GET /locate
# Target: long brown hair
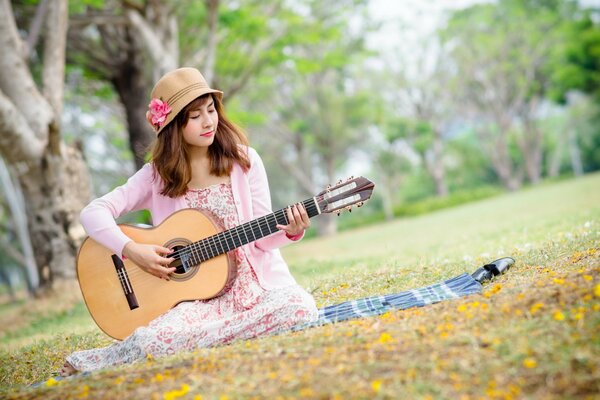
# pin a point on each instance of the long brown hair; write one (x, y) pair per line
(170, 154)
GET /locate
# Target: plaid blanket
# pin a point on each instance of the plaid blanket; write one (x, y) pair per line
(459, 286)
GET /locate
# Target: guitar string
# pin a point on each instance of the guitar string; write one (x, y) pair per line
(197, 245)
(222, 237)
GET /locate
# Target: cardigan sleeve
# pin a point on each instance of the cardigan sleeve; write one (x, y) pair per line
(261, 203)
(98, 217)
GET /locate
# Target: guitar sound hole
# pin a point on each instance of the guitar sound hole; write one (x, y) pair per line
(180, 266)
(184, 270)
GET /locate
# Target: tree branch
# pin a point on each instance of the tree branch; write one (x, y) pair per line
(53, 75)
(35, 28)
(18, 142)
(16, 81)
(152, 42)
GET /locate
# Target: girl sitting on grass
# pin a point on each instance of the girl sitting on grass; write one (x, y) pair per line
(199, 160)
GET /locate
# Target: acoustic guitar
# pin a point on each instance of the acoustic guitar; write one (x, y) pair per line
(122, 297)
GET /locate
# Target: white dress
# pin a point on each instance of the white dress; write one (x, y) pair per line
(245, 310)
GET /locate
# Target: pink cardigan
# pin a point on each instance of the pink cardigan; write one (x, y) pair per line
(252, 200)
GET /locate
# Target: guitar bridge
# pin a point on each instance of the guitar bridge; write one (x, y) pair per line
(125, 283)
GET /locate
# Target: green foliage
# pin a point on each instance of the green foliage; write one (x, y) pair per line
(576, 64)
(431, 204)
(80, 6)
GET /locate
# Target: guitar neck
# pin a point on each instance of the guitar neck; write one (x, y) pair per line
(248, 232)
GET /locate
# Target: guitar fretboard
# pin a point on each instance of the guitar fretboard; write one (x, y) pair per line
(222, 242)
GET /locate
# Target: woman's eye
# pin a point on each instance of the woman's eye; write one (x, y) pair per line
(194, 116)
(211, 110)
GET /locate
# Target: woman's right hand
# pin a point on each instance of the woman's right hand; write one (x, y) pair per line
(150, 258)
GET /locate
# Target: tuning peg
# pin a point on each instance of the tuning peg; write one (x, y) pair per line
(349, 179)
(340, 182)
(359, 204)
(349, 208)
(338, 213)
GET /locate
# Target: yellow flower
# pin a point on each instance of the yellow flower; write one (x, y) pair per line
(587, 277)
(462, 308)
(529, 363)
(158, 378)
(559, 316)
(51, 382)
(376, 385)
(534, 308)
(385, 338)
(597, 290)
(174, 394)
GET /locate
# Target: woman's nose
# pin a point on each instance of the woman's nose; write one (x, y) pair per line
(206, 121)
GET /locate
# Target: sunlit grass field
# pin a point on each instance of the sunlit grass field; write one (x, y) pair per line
(533, 333)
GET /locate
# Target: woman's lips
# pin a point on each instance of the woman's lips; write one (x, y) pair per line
(207, 134)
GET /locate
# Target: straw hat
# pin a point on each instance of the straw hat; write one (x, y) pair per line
(174, 91)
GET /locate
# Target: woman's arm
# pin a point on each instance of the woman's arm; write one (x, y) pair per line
(98, 217)
(261, 203)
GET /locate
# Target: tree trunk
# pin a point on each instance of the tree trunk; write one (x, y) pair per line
(575, 153)
(56, 189)
(132, 86)
(435, 166)
(531, 148)
(386, 191)
(16, 204)
(500, 157)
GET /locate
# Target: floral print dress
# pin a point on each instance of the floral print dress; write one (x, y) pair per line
(245, 310)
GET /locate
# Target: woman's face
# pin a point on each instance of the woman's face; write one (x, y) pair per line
(201, 126)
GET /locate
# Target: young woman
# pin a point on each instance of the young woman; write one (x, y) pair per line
(200, 160)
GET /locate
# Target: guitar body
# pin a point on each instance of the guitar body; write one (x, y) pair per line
(102, 285)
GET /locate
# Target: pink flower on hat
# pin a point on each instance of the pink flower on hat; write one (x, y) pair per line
(158, 112)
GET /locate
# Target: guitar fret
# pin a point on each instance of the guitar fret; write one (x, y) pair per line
(230, 241)
(260, 229)
(212, 246)
(219, 238)
(237, 231)
(205, 248)
(269, 225)
(252, 231)
(245, 234)
(223, 250)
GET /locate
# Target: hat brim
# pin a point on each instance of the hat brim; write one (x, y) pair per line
(181, 101)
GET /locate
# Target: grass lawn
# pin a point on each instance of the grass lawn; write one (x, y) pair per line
(533, 333)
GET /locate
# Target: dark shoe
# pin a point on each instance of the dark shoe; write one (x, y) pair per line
(499, 266)
(495, 268)
(482, 275)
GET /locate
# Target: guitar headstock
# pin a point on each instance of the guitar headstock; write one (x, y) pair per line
(345, 194)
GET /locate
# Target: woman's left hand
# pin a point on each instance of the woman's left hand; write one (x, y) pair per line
(298, 221)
